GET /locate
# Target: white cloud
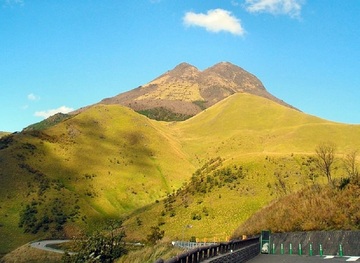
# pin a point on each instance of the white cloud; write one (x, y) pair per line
(47, 113)
(33, 97)
(215, 20)
(275, 7)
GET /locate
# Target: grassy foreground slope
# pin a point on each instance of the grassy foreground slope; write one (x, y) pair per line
(104, 162)
(313, 208)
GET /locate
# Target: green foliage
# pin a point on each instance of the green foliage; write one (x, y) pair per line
(200, 104)
(50, 216)
(155, 235)
(212, 175)
(164, 114)
(28, 219)
(49, 122)
(5, 141)
(100, 246)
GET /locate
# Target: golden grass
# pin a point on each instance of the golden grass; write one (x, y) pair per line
(150, 254)
(313, 208)
(28, 254)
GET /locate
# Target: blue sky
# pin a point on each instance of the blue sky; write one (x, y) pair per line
(63, 55)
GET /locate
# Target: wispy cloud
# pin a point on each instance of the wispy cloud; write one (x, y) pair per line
(47, 113)
(291, 8)
(215, 20)
(33, 97)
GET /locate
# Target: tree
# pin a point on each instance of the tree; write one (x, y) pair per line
(155, 235)
(350, 164)
(104, 246)
(325, 158)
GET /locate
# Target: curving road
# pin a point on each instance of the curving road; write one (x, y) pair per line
(43, 245)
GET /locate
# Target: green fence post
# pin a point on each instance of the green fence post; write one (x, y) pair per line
(300, 250)
(282, 249)
(311, 250)
(273, 248)
(340, 250)
(321, 250)
(290, 249)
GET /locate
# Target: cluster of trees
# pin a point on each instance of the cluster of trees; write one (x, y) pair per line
(211, 175)
(163, 114)
(52, 217)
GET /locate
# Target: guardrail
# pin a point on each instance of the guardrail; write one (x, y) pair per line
(191, 245)
(201, 254)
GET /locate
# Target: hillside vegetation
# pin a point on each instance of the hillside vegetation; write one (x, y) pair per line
(102, 163)
(2, 134)
(272, 145)
(317, 207)
(198, 178)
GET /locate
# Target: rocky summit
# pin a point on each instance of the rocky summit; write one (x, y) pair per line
(185, 91)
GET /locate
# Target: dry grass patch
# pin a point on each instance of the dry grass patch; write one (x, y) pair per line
(28, 254)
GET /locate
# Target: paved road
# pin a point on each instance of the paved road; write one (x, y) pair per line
(43, 245)
(263, 258)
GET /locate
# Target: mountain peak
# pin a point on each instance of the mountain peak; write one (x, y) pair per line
(183, 70)
(183, 65)
(185, 91)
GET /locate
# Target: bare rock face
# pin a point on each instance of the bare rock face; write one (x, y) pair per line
(185, 91)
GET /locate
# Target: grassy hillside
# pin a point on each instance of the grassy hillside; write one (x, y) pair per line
(314, 208)
(2, 134)
(273, 145)
(104, 162)
(47, 123)
(244, 124)
(212, 171)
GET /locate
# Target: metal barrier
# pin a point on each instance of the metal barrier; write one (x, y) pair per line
(200, 254)
(191, 245)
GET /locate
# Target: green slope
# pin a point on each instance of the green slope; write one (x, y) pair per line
(268, 141)
(244, 124)
(104, 162)
(110, 161)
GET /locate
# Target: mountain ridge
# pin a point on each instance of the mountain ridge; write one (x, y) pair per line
(186, 91)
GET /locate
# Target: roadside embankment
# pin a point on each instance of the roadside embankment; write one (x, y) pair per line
(330, 242)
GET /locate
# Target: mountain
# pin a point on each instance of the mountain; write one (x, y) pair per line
(211, 171)
(266, 151)
(185, 91)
